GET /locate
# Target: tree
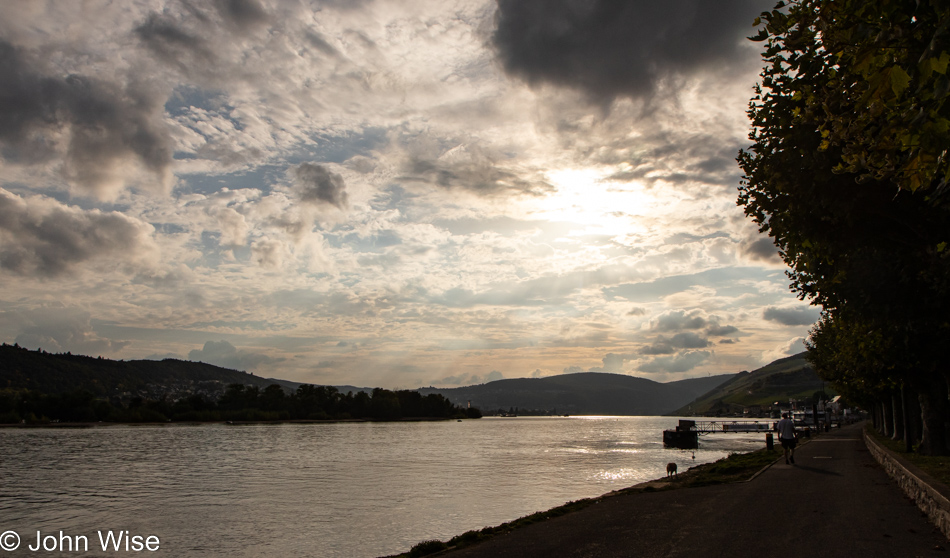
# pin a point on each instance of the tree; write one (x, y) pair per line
(855, 204)
(886, 101)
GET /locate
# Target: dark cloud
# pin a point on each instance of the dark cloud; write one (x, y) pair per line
(761, 249)
(721, 331)
(243, 14)
(319, 185)
(659, 347)
(475, 173)
(202, 39)
(791, 316)
(682, 362)
(39, 236)
(172, 44)
(610, 49)
(688, 340)
(105, 125)
(318, 42)
(679, 319)
(668, 346)
(226, 355)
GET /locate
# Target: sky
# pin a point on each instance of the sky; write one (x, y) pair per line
(393, 193)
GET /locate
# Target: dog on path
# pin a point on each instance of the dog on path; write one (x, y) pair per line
(671, 470)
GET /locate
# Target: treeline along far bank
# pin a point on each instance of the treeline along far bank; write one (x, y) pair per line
(40, 387)
(238, 403)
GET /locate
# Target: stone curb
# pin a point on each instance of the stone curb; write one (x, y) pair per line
(930, 495)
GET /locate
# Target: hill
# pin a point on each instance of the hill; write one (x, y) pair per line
(587, 393)
(150, 379)
(784, 379)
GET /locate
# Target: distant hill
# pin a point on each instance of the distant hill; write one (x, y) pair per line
(59, 373)
(584, 393)
(588, 393)
(784, 379)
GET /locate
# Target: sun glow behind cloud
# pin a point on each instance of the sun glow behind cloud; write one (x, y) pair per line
(588, 197)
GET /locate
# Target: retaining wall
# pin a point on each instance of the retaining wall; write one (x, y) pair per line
(931, 496)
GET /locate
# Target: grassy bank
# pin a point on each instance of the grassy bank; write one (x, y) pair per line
(738, 467)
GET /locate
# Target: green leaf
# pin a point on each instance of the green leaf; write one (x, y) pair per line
(899, 79)
(939, 64)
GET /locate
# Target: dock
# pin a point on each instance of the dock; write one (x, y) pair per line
(687, 432)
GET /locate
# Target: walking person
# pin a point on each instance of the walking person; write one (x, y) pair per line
(786, 434)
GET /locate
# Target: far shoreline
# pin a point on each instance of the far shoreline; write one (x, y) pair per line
(99, 424)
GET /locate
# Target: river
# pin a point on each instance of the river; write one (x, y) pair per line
(322, 490)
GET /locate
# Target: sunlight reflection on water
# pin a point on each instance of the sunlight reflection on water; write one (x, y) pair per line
(353, 489)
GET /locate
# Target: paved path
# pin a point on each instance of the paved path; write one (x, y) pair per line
(835, 501)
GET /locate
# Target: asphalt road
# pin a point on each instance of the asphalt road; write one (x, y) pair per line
(835, 501)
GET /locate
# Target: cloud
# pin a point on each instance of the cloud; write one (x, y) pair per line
(41, 237)
(226, 355)
(794, 316)
(688, 340)
(659, 347)
(470, 168)
(761, 248)
(721, 330)
(682, 362)
(675, 320)
(612, 49)
(243, 14)
(613, 363)
(574, 370)
(59, 329)
(472, 379)
(668, 346)
(103, 132)
(318, 185)
(793, 346)
(173, 44)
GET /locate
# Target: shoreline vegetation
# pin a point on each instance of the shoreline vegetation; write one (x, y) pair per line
(240, 404)
(737, 467)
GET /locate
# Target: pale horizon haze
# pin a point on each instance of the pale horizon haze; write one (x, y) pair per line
(393, 193)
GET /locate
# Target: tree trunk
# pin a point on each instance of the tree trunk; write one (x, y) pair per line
(888, 420)
(898, 413)
(908, 409)
(933, 415)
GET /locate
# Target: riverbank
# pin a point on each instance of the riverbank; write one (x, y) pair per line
(835, 500)
(738, 467)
